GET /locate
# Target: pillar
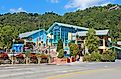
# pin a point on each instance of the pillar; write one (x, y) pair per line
(104, 44)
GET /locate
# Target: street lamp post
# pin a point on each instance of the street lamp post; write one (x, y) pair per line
(49, 55)
(13, 53)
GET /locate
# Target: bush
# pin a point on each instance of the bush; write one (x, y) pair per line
(108, 55)
(61, 53)
(87, 57)
(94, 56)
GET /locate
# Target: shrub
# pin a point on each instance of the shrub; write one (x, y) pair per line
(95, 56)
(59, 45)
(108, 55)
(61, 53)
(74, 49)
(87, 57)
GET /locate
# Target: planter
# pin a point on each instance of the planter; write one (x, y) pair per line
(61, 60)
(73, 59)
(68, 60)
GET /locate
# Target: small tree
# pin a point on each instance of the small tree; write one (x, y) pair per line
(74, 49)
(59, 45)
(61, 53)
(92, 41)
(27, 57)
(71, 42)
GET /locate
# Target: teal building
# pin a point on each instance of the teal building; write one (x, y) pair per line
(62, 31)
(65, 32)
(37, 38)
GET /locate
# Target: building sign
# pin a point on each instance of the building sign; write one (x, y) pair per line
(56, 27)
(29, 39)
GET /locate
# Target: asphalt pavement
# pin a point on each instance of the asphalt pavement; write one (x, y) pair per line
(76, 70)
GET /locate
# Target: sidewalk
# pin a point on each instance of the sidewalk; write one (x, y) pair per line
(8, 65)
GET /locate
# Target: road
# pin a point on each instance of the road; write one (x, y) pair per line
(67, 71)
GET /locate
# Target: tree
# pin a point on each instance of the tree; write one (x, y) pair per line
(71, 42)
(6, 36)
(91, 41)
(97, 17)
(59, 45)
(74, 49)
(61, 53)
(27, 54)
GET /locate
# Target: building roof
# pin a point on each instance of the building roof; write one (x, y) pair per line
(116, 47)
(98, 32)
(27, 34)
(66, 25)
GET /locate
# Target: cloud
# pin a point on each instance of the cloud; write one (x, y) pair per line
(54, 1)
(14, 10)
(83, 4)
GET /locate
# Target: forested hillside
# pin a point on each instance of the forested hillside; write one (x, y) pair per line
(98, 17)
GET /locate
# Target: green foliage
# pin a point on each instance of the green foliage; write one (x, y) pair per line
(94, 56)
(87, 57)
(61, 53)
(108, 55)
(74, 49)
(96, 17)
(59, 45)
(92, 41)
(27, 54)
(71, 42)
(11, 25)
(6, 36)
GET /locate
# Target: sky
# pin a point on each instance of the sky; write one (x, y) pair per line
(57, 6)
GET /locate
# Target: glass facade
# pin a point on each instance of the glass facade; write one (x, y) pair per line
(61, 32)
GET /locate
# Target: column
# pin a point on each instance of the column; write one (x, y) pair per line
(60, 33)
(104, 43)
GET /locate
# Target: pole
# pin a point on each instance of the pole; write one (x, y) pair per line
(12, 60)
(13, 53)
(49, 55)
(13, 56)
